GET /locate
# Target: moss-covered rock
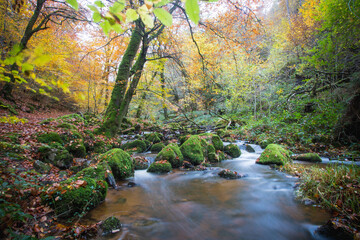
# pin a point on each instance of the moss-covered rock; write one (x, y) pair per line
(309, 157)
(120, 163)
(221, 156)
(213, 139)
(192, 150)
(77, 149)
(264, 143)
(110, 225)
(228, 174)
(72, 118)
(56, 155)
(98, 146)
(41, 167)
(211, 154)
(135, 146)
(274, 154)
(140, 163)
(67, 126)
(157, 147)
(184, 138)
(50, 137)
(72, 135)
(172, 154)
(102, 171)
(232, 150)
(249, 148)
(75, 196)
(147, 144)
(160, 167)
(154, 137)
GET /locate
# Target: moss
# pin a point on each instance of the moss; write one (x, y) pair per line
(232, 150)
(68, 126)
(77, 149)
(75, 196)
(10, 147)
(274, 154)
(120, 163)
(228, 174)
(192, 150)
(99, 146)
(41, 167)
(221, 156)
(211, 154)
(172, 154)
(109, 225)
(140, 163)
(102, 171)
(49, 138)
(160, 167)
(157, 147)
(147, 144)
(266, 142)
(249, 148)
(56, 155)
(183, 139)
(135, 146)
(47, 121)
(309, 157)
(71, 136)
(213, 139)
(72, 118)
(154, 137)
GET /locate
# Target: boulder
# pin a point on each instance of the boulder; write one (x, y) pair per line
(120, 163)
(157, 147)
(232, 150)
(228, 174)
(154, 137)
(213, 139)
(249, 148)
(41, 167)
(160, 167)
(55, 154)
(110, 225)
(138, 146)
(172, 154)
(308, 157)
(274, 154)
(140, 163)
(102, 171)
(192, 150)
(76, 196)
(50, 137)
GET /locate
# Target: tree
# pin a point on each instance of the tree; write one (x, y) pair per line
(44, 12)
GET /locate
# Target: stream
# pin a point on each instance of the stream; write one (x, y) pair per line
(200, 205)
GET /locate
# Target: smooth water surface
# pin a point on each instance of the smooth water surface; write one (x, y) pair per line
(200, 205)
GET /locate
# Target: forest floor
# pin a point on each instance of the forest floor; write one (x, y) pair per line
(24, 215)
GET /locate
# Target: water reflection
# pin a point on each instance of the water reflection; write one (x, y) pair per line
(201, 205)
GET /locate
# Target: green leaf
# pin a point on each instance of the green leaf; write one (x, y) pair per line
(131, 15)
(147, 20)
(106, 27)
(97, 17)
(73, 3)
(161, 3)
(27, 67)
(99, 4)
(117, 28)
(93, 8)
(193, 10)
(117, 7)
(164, 16)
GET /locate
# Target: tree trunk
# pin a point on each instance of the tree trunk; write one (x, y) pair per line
(115, 110)
(162, 79)
(6, 91)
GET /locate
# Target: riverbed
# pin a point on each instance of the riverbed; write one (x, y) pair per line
(201, 205)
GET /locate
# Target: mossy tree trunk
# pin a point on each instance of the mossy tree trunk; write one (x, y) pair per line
(162, 79)
(116, 109)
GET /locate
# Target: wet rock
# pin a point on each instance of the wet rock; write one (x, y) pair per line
(110, 225)
(140, 163)
(228, 174)
(308, 202)
(308, 157)
(192, 150)
(131, 184)
(157, 147)
(232, 150)
(249, 148)
(274, 154)
(138, 146)
(336, 229)
(172, 154)
(102, 171)
(120, 162)
(162, 166)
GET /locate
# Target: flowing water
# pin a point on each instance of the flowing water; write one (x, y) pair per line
(202, 206)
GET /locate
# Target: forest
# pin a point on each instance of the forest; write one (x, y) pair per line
(113, 112)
